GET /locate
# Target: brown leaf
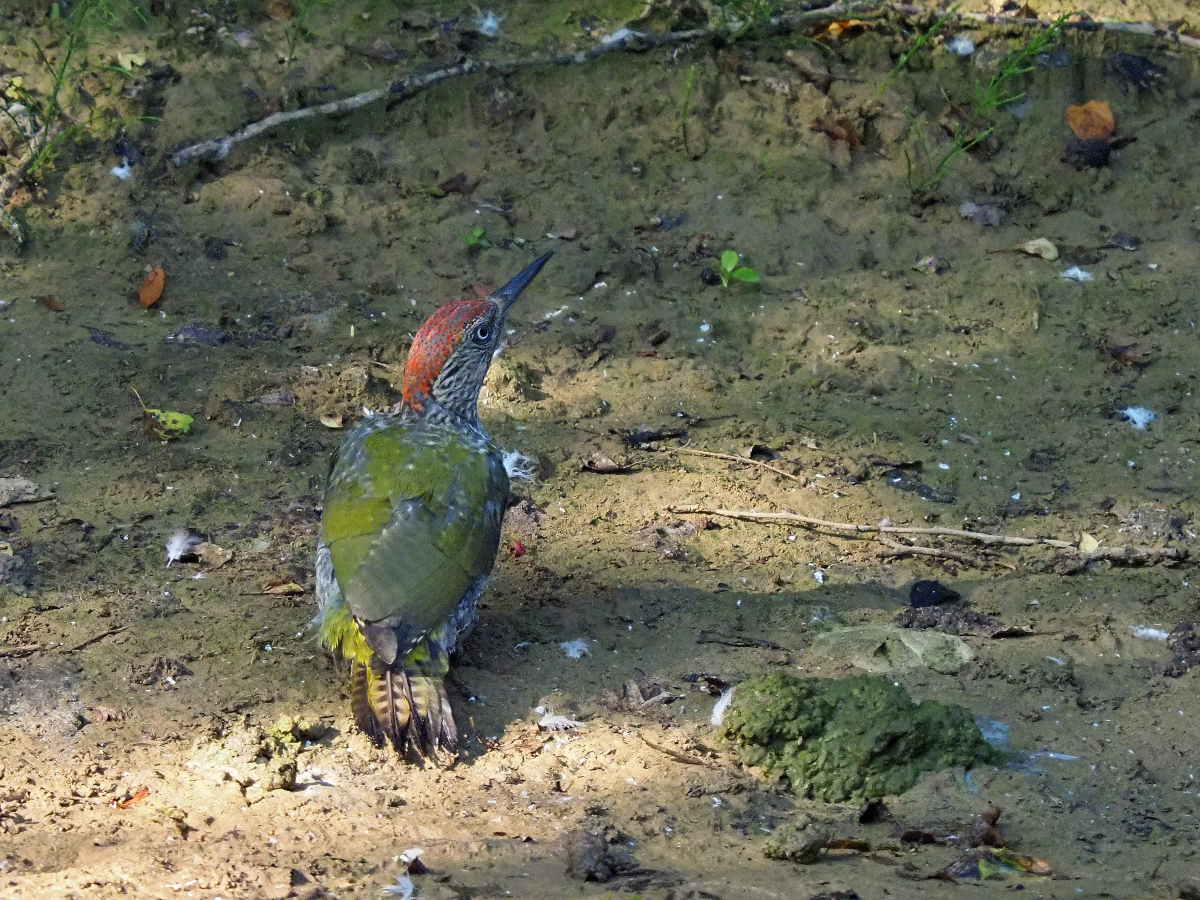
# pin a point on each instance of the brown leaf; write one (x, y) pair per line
(280, 10)
(1092, 120)
(838, 129)
(51, 302)
(152, 287)
(133, 799)
(280, 586)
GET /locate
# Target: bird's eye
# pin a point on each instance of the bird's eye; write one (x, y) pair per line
(483, 333)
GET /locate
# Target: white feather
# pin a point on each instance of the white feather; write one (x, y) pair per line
(181, 542)
(718, 713)
(519, 466)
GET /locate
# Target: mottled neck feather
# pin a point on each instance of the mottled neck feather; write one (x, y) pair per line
(433, 346)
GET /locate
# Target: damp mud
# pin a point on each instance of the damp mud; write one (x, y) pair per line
(912, 355)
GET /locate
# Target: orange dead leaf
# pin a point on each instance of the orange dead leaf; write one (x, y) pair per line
(133, 799)
(838, 129)
(843, 28)
(51, 302)
(279, 10)
(280, 586)
(1092, 120)
(152, 287)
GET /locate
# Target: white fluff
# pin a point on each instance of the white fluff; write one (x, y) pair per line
(618, 37)
(488, 24)
(551, 722)
(1153, 634)
(123, 171)
(403, 888)
(722, 706)
(1139, 417)
(519, 466)
(1077, 274)
(576, 649)
(181, 542)
(961, 46)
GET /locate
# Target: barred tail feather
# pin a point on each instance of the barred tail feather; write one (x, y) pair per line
(409, 711)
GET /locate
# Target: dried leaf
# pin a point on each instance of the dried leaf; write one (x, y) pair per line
(1093, 120)
(52, 303)
(1087, 543)
(333, 422)
(848, 844)
(838, 129)
(1040, 247)
(931, 265)
(843, 28)
(758, 452)
(281, 587)
(107, 714)
(133, 799)
(458, 184)
(152, 287)
(212, 556)
(602, 464)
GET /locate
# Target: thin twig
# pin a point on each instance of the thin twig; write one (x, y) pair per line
(1125, 554)
(18, 652)
(737, 459)
(676, 755)
(30, 649)
(898, 550)
(712, 637)
(625, 40)
(96, 638)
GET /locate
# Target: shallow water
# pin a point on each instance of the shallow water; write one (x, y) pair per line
(984, 391)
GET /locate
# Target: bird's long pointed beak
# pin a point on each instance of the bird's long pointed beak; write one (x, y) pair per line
(508, 294)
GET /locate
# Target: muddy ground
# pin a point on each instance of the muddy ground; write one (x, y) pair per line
(175, 731)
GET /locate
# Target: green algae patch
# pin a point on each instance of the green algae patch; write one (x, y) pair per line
(850, 738)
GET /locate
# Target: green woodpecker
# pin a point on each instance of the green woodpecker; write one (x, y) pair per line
(410, 529)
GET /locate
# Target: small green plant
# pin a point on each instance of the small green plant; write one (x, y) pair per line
(40, 106)
(297, 31)
(920, 41)
(738, 17)
(476, 240)
(732, 270)
(995, 93)
(167, 424)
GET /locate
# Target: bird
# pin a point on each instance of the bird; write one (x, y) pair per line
(410, 528)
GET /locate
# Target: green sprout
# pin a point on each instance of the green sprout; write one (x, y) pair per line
(731, 270)
(996, 93)
(476, 240)
(167, 425)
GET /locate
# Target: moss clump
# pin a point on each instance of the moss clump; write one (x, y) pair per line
(851, 738)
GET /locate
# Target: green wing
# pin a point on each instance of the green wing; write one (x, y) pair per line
(412, 521)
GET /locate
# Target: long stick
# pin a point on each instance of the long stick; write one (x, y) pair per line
(1126, 554)
(635, 41)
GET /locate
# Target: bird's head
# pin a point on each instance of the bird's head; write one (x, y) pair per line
(452, 350)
